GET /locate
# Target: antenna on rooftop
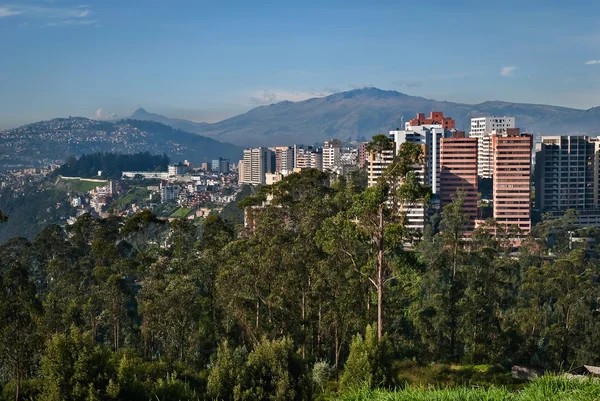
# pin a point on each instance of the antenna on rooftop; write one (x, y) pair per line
(402, 122)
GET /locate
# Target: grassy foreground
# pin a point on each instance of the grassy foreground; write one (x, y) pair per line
(548, 388)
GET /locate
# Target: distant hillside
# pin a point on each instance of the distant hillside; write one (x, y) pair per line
(53, 141)
(364, 112)
(184, 125)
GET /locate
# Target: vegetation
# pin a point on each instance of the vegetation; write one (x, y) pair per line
(112, 165)
(547, 388)
(80, 186)
(320, 298)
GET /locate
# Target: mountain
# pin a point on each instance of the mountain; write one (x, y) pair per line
(368, 111)
(52, 141)
(184, 125)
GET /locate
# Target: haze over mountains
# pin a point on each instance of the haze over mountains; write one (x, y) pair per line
(368, 111)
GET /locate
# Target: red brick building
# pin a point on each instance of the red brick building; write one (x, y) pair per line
(435, 117)
(458, 164)
(512, 179)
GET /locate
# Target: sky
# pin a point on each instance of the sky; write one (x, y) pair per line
(209, 60)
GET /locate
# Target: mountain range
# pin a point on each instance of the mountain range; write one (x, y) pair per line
(368, 111)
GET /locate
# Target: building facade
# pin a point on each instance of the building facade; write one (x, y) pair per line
(512, 179)
(567, 174)
(220, 166)
(331, 153)
(459, 173)
(482, 128)
(256, 163)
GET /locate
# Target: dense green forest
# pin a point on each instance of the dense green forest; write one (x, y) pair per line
(112, 165)
(321, 298)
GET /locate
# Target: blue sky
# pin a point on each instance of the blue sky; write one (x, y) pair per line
(208, 60)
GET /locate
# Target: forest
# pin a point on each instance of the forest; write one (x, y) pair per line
(112, 165)
(320, 298)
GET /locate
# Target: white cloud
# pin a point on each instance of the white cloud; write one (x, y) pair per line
(270, 96)
(592, 62)
(508, 71)
(99, 114)
(56, 16)
(8, 12)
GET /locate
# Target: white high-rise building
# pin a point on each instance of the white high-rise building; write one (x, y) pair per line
(429, 136)
(482, 128)
(257, 162)
(331, 153)
(284, 159)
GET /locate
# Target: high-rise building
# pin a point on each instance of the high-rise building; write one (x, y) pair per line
(435, 118)
(429, 137)
(177, 169)
(362, 154)
(378, 162)
(512, 178)
(220, 166)
(284, 159)
(241, 171)
(567, 174)
(482, 128)
(459, 172)
(316, 159)
(331, 153)
(257, 162)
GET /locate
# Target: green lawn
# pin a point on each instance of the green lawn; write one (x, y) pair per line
(181, 213)
(79, 186)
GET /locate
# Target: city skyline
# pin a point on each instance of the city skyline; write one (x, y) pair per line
(207, 62)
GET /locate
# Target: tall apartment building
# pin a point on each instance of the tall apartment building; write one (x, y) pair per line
(307, 158)
(482, 128)
(331, 153)
(316, 159)
(435, 118)
(362, 154)
(220, 166)
(512, 178)
(284, 159)
(567, 174)
(257, 162)
(459, 172)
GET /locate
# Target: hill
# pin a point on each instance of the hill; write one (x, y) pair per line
(184, 125)
(53, 141)
(364, 112)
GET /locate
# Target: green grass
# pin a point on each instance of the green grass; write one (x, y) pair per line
(79, 186)
(548, 388)
(181, 213)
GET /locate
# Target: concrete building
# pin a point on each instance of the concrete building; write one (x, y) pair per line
(284, 159)
(512, 179)
(272, 178)
(177, 169)
(316, 159)
(482, 128)
(363, 156)
(168, 192)
(257, 162)
(331, 153)
(567, 174)
(220, 166)
(429, 136)
(459, 172)
(161, 175)
(435, 118)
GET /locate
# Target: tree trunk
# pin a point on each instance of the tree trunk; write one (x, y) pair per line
(304, 325)
(380, 276)
(18, 389)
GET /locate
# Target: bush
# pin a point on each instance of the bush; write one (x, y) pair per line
(368, 362)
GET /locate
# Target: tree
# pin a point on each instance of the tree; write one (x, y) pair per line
(380, 212)
(19, 314)
(368, 362)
